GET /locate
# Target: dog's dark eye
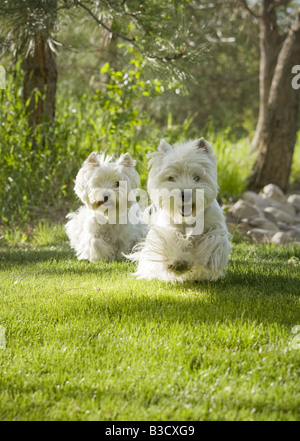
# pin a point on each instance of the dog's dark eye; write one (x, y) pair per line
(117, 184)
(171, 179)
(196, 178)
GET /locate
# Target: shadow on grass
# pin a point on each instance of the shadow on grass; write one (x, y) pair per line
(215, 306)
(251, 297)
(257, 275)
(256, 289)
(53, 258)
(12, 256)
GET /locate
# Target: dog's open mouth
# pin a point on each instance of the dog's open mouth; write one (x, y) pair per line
(186, 210)
(102, 204)
(107, 204)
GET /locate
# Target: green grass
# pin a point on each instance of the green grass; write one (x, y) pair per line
(89, 342)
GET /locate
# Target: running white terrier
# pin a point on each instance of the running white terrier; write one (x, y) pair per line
(101, 228)
(172, 250)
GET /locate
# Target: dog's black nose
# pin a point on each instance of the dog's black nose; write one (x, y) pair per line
(105, 198)
(186, 196)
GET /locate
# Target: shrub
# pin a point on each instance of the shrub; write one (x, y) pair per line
(36, 178)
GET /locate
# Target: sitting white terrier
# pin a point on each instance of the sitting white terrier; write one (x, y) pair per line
(101, 229)
(171, 250)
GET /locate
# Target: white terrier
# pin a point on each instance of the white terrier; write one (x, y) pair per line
(171, 250)
(101, 229)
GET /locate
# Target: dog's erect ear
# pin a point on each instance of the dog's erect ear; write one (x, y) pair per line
(204, 146)
(164, 147)
(201, 145)
(155, 158)
(93, 159)
(126, 160)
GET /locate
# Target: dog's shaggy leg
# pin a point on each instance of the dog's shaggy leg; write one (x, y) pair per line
(94, 250)
(213, 252)
(164, 255)
(83, 231)
(99, 250)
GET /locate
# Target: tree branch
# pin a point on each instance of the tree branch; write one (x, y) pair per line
(245, 5)
(296, 26)
(83, 6)
(281, 3)
(171, 57)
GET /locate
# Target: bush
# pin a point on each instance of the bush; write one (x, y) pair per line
(37, 177)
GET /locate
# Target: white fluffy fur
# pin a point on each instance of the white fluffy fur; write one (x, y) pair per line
(91, 235)
(167, 252)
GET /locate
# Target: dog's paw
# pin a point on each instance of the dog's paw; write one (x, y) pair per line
(179, 266)
(219, 259)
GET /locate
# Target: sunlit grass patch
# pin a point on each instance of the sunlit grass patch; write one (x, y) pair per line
(89, 342)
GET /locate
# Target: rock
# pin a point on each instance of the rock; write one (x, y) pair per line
(294, 234)
(283, 226)
(263, 223)
(272, 191)
(241, 229)
(281, 216)
(281, 238)
(270, 217)
(258, 201)
(294, 199)
(286, 207)
(253, 198)
(261, 235)
(289, 208)
(263, 202)
(243, 209)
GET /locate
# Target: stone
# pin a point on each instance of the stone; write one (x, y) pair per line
(289, 208)
(283, 226)
(257, 200)
(262, 203)
(252, 197)
(294, 199)
(270, 217)
(281, 238)
(267, 202)
(280, 215)
(261, 235)
(261, 222)
(295, 234)
(267, 217)
(241, 229)
(272, 191)
(286, 207)
(243, 209)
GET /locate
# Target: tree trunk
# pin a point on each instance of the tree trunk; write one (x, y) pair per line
(270, 42)
(276, 130)
(40, 75)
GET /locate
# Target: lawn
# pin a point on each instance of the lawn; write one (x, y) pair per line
(89, 342)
